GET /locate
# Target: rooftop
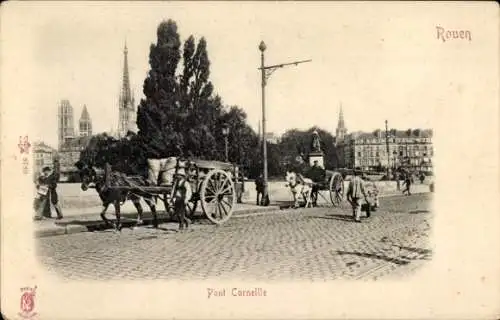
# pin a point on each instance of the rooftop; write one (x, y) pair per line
(75, 143)
(393, 133)
(40, 145)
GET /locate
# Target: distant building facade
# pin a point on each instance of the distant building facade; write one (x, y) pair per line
(43, 155)
(71, 142)
(69, 154)
(126, 108)
(272, 138)
(410, 148)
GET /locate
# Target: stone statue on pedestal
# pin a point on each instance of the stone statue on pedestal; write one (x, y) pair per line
(316, 156)
(316, 142)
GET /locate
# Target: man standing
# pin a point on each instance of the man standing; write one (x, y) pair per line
(354, 192)
(259, 187)
(407, 184)
(182, 193)
(46, 191)
(316, 174)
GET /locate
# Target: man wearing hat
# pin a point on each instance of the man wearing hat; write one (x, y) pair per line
(354, 192)
(181, 194)
(46, 192)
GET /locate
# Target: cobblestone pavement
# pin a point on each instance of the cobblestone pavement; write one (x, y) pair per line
(305, 244)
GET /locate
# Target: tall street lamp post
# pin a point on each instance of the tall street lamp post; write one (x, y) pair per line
(266, 72)
(394, 153)
(387, 147)
(225, 133)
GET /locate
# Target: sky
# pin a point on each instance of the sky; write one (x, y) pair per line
(379, 62)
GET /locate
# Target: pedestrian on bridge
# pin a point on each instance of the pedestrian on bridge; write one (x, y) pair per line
(355, 190)
(407, 185)
(46, 186)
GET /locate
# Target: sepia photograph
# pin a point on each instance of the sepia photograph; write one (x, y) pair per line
(239, 155)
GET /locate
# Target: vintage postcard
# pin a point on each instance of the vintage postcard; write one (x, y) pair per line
(257, 160)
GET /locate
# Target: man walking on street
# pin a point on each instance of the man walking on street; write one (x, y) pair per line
(354, 192)
(407, 185)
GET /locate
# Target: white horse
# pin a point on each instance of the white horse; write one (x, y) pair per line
(298, 184)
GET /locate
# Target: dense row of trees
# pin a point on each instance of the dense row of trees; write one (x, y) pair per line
(181, 115)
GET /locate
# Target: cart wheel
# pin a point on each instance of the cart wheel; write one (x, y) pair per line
(336, 189)
(217, 196)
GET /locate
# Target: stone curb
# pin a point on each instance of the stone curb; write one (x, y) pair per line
(84, 226)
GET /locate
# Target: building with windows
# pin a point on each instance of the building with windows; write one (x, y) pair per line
(71, 143)
(410, 148)
(43, 155)
(69, 154)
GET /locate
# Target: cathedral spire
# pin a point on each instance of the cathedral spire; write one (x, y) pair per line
(85, 114)
(126, 93)
(127, 112)
(341, 124)
(341, 129)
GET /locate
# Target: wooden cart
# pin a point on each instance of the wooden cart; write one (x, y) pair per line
(213, 185)
(333, 183)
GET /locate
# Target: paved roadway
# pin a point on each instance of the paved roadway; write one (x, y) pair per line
(305, 244)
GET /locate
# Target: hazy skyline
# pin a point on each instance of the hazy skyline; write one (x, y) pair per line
(74, 51)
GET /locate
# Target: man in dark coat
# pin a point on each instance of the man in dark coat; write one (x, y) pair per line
(317, 175)
(407, 183)
(47, 193)
(259, 187)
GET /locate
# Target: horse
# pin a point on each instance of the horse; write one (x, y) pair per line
(293, 180)
(117, 197)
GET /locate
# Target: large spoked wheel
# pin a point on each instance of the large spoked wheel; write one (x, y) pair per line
(336, 189)
(218, 196)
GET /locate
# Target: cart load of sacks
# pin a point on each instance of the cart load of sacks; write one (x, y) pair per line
(161, 171)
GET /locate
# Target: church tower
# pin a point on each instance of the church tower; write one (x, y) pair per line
(341, 131)
(65, 122)
(126, 113)
(85, 123)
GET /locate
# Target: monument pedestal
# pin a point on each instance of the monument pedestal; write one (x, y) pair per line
(317, 156)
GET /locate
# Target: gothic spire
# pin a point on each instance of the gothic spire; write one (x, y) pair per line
(126, 93)
(85, 114)
(341, 124)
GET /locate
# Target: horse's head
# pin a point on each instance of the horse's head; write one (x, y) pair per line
(87, 174)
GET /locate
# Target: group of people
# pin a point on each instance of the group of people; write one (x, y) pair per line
(358, 193)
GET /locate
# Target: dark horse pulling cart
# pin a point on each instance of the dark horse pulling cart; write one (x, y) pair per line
(212, 182)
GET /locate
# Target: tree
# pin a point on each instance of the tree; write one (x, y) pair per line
(297, 142)
(243, 141)
(124, 155)
(196, 98)
(159, 116)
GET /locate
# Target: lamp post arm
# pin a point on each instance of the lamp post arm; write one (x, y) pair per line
(268, 70)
